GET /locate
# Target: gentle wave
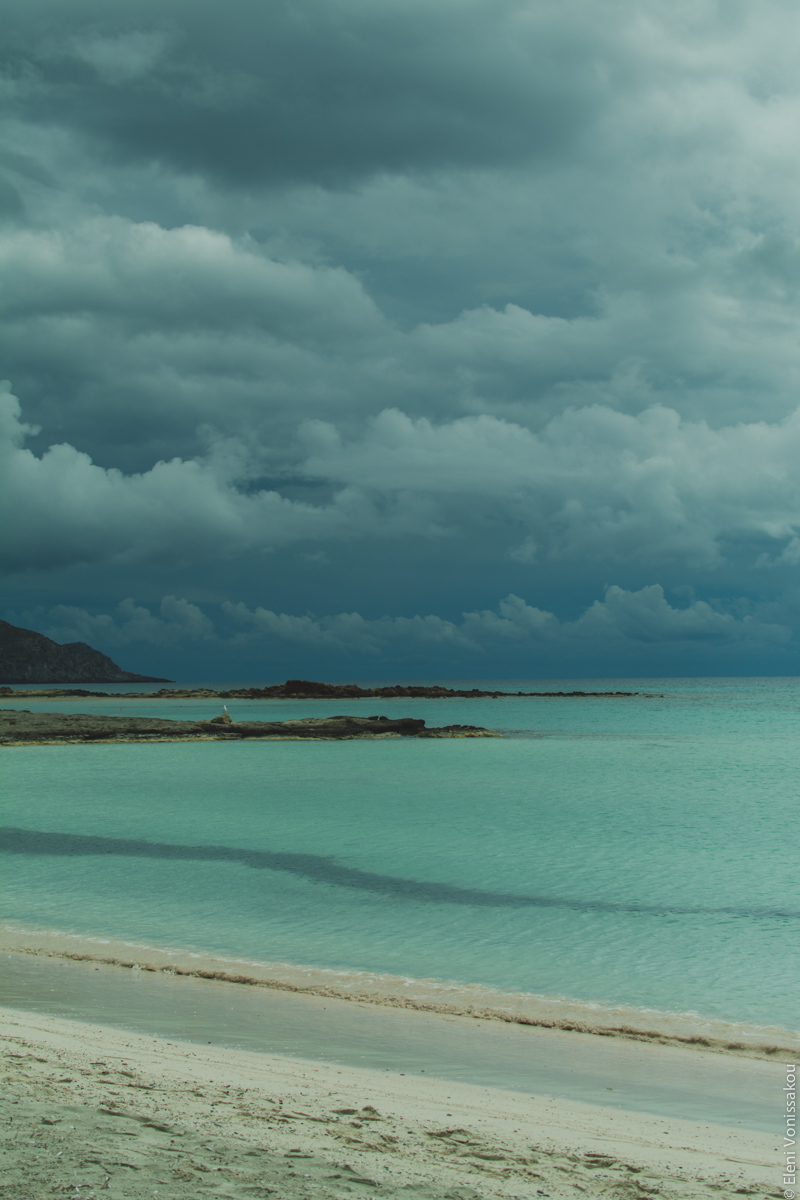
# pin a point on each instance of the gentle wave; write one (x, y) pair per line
(424, 995)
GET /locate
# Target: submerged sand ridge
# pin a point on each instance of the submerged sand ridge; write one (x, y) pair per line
(20, 727)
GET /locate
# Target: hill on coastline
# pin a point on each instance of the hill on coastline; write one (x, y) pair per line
(29, 657)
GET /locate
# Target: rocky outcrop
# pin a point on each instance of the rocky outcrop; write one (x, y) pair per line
(21, 727)
(305, 689)
(309, 690)
(29, 657)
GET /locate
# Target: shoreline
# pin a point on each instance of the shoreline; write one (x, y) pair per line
(92, 1108)
(443, 997)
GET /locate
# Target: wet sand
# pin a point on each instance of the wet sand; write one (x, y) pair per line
(424, 995)
(670, 1081)
(89, 1110)
(176, 1082)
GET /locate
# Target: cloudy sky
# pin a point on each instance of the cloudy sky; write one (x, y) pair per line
(390, 338)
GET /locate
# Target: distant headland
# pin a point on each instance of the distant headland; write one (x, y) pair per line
(29, 657)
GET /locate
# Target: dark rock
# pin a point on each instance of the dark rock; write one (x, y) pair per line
(307, 690)
(18, 726)
(29, 657)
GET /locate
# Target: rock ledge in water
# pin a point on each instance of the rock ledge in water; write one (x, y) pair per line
(21, 727)
(306, 689)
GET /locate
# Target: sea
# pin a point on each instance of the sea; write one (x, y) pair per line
(636, 851)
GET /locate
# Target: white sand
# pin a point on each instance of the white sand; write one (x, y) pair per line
(91, 1111)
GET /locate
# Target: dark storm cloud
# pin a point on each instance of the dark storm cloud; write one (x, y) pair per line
(126, 338)
(309, 90)
(507, 291)
(595, 486)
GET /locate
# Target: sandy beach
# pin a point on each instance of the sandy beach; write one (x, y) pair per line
(89, 1110)
(119, 1108)
(432, 996)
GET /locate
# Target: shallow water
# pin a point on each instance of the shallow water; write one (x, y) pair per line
(671, 1082)
(625, 851)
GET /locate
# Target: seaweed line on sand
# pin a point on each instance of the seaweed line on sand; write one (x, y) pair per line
(628, 1032)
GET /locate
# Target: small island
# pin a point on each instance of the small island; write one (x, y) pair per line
(308, 689)
(23, 728)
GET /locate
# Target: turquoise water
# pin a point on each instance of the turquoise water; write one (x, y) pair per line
(638, 852)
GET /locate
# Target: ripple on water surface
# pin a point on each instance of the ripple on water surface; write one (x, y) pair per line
(647, 868)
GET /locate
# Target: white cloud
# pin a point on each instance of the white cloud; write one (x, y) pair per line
(524, 275)
(525, 552)
(187, 277)
(646, 616)
(178, 620)
(622, 618)
(67, 510)
(133, 335)
(348, 632)
(623, 625)
(124, 57)
(593, 482)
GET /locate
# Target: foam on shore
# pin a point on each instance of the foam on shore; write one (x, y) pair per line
(427, 995)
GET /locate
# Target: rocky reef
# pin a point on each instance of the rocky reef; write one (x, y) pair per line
(306, 689)
(20, 727)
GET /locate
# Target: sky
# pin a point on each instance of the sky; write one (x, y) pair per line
(375, 339)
